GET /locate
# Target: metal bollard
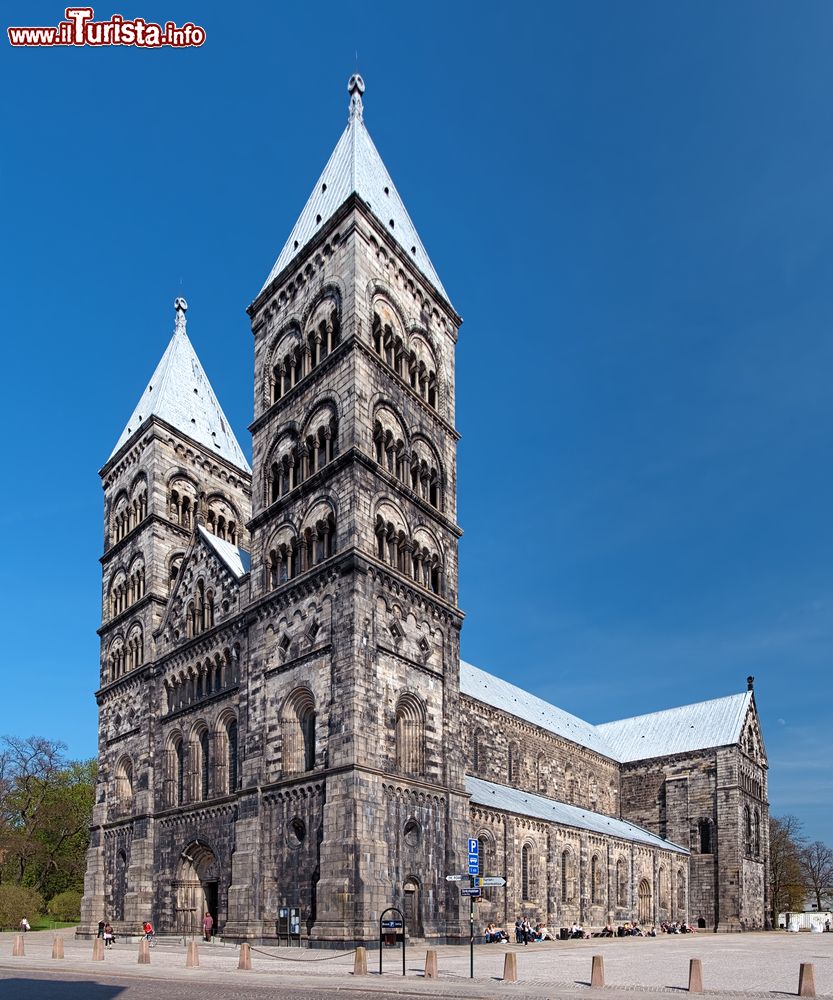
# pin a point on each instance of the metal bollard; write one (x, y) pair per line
(806, 980)
(245, 961)
(510, 967)
(144, 952)
(57, 946)
(192, 956)
(431, 964)
(695, 976)
(597, 971)
(18, 947)
(360, 962)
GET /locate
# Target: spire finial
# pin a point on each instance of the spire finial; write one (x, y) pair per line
(750, 683)
(355, 88)
(181, 307)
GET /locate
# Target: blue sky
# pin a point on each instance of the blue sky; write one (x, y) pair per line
(631, 206)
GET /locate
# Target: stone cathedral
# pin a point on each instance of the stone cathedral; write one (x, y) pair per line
(285, 722)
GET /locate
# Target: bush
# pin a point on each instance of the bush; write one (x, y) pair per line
(17, 902)
(65, 906)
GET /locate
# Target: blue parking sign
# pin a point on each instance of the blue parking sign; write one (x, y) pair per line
(474, 846)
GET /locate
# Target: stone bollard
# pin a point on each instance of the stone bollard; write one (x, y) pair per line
(431, 964)
(57, 946)
(192, 956)
(98, 950)
(695, 976)
(510, 967)
(144, 952)
(245, 960)
(360, 962)
(806, 980)
(18, 947)
(597, 971)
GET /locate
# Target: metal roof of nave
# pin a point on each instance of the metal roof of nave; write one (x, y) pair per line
(491, 795)
(715, 723)
(706, 724)
(498, 693)
(355, 167)
(180, 394)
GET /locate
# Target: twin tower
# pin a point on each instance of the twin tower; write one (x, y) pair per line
(280, 696)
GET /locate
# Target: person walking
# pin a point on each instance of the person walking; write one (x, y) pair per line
(207, 927)
(24, 925)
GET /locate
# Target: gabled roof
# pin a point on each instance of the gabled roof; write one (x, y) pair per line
(491, 795)
(355, 167)
(715, 723)
(238, 561)
(498, 693)
(180, 394)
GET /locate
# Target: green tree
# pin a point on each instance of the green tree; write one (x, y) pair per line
(46, 806)
(65, 906)
(786, 880)
(17, 902)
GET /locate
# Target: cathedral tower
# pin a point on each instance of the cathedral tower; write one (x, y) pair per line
(175, 467)
(354, 548)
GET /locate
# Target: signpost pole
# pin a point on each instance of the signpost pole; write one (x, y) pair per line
(471, 931)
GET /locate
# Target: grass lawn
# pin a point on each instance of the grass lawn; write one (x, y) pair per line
(48, 924)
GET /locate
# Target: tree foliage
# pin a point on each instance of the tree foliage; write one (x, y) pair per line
(17, 902)
(786, 879)
(46, 806)
(65, 906)
(816, 862)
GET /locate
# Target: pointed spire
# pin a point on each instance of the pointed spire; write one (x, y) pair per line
(181, 307)
(355, 88)
(355, 167)
(180, 394)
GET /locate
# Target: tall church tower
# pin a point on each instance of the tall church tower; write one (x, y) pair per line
(175, 467)
(355, 625)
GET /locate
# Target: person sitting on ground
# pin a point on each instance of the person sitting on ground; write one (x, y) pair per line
(544, 933)
(489, 933)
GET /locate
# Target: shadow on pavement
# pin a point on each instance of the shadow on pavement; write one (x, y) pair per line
(49, 989)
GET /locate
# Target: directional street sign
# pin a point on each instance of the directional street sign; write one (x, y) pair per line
(470, 892)
(455, 878)
(392, 924)
(490, 880)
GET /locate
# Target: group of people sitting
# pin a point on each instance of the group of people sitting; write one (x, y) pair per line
(526, 932)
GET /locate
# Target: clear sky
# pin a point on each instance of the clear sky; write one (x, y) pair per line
(631, 205)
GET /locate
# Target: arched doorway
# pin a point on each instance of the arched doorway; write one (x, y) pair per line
(645, 908)
(411, 907)
(195, 889)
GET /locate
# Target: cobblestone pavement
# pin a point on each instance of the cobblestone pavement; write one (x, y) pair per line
(750, 965)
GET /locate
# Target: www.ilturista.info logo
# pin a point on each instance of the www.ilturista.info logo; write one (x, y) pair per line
(79, 28)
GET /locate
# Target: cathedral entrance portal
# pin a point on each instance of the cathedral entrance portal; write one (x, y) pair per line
(644, 912)
(411, 908)
(195, 889)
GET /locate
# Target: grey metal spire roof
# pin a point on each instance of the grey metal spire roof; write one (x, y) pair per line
(355, 167)
(491, 795)
(180, 394)
(498, 693)
(715, 723)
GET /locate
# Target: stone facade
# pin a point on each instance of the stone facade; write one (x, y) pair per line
(288, 732)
